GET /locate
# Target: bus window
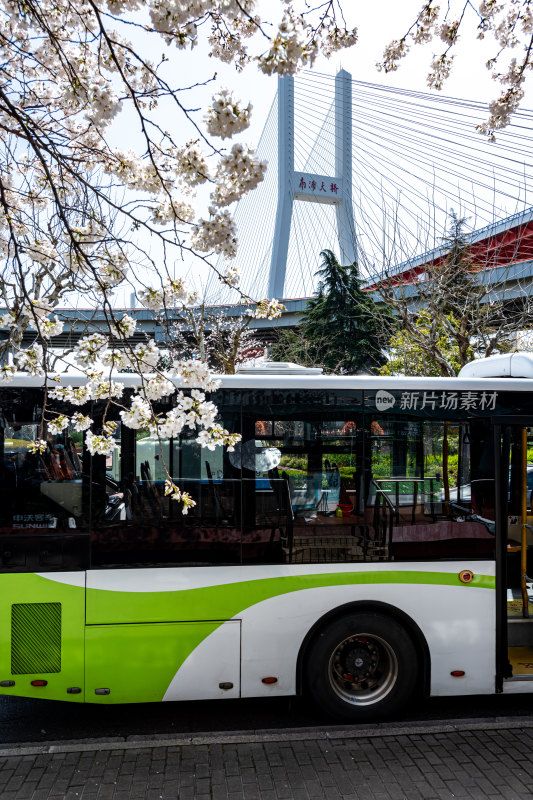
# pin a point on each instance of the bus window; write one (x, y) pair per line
(41, 491)
(143, 525)
(302, 503)
(427, 491)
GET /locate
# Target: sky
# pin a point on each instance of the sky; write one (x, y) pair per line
(378, 24)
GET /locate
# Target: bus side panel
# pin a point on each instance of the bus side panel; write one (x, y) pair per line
(458, 623)
(42, 618)
(278, 605)
(136, 663)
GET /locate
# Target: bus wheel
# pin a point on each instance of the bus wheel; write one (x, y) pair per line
(361, 667)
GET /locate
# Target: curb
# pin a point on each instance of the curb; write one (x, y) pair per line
(330, 733)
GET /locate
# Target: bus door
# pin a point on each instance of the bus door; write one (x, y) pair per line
(514, 510)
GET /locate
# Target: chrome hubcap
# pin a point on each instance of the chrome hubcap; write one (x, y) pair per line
(363, 669)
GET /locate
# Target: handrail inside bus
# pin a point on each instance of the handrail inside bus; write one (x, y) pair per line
(383, 494)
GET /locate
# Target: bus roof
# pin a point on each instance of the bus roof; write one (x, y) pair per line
(288, 382)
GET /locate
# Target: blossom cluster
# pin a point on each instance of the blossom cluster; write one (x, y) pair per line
(191, 166)
(425, 23)
(232, 276)
(96, 388)
(139, 415)
(49, 327)
(58, 424)
(172, 209)
(449, 31)
(127, 325)
(216, 436)
(238, 173)
(229, 46)
(269, 309)
(111, 273)
(511, 26)
(38, 446)
(216, 234)
(501, 110)
(172, 292)
(195, 373)
(134, 172)
(392, 55)
(297, 43)
(440, 70)
(225, 117)
(80, 422)
(146, 355)
(41, 251)
(98, 443)
(172, 491)
(33, 314)
(192, 411)
(90, 348)
(7, 372)
(31, 360)
(288, 47)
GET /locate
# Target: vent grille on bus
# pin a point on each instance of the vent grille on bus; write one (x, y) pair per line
(35, 638)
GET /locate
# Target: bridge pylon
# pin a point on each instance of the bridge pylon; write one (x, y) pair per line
(311, 188)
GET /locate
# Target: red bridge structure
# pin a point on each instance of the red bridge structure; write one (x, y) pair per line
(502, 255)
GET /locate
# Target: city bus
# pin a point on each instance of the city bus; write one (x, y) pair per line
(367, 541)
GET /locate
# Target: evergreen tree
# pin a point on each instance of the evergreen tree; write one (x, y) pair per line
(343, 329)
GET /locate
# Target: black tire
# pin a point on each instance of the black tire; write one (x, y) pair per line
(361, 667)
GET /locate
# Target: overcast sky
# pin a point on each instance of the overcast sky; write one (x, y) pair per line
(378, 23)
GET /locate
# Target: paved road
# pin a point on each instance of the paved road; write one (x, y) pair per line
(413, 763)
(40, 721)
(472, 748)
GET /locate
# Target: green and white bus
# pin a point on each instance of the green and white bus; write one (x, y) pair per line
(368, 539)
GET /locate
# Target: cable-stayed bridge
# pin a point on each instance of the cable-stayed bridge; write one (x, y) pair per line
(373, 173)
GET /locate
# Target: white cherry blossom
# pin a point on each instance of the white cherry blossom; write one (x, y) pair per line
(38, 446)
(98, 444)
(268, 309)
(139, 415)
(225, 117)
(7, 372)
(90, 349)
(58, 424)
(146, 355)
(48, 327)
(237, 173)
(157, 386)
(217, 234)
(31, 360)
(127, 325)
(80, 422)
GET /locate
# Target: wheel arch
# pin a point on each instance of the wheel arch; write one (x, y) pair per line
(363, 606)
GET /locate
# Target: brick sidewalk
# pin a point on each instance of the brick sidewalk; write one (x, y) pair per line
(471, 764)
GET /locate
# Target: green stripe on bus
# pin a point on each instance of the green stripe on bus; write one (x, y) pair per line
(225, 601)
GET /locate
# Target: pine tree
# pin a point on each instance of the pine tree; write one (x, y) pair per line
(343, 329)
